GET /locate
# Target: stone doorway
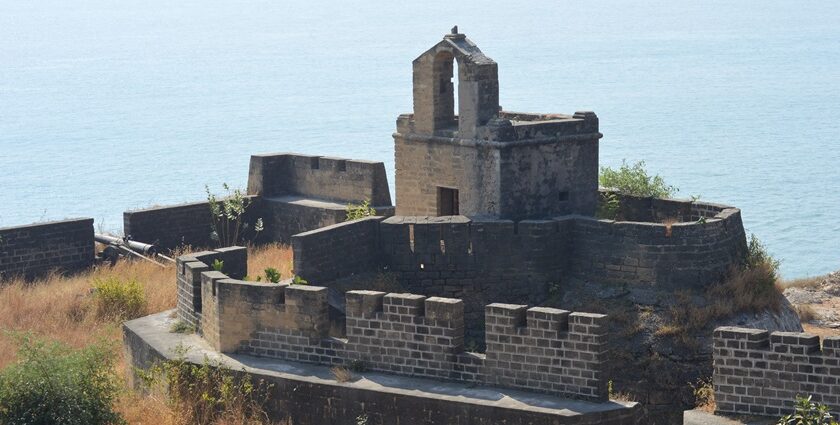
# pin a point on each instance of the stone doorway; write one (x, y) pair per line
(447, 201)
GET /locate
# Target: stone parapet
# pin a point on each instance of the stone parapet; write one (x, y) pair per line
(761, 373)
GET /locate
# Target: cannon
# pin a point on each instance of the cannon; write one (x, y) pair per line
(116, 247)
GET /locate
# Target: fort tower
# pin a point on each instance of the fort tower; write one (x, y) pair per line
(486, 162)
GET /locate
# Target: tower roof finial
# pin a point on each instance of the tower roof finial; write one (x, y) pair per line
(455, 29)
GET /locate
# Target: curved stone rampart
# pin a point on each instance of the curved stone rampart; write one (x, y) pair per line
(687, 254)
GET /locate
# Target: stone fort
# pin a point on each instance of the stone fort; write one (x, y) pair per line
(495, 210)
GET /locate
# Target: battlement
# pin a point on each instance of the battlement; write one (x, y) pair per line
(761, 373)
(538, 349)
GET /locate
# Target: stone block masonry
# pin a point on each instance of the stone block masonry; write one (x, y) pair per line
(487, 260)
(310, 394)
(343, 249)
(317, 177)
(537, 349)
(761, 373)
(33, 250)
(189, 269)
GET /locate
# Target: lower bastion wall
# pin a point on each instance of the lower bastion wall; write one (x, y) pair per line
(537, 349)
(34, 250)
(761, 373)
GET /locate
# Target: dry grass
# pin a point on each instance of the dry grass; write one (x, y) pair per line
(62, 308)
(704, 395)
(805, 312)
(275, 256)
(744, 290)
(342, 374)
(805, 282)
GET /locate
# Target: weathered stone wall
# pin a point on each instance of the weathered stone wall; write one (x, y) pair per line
(658, 210)
(189, 269)
(547, 349)
(31, 251)
(289, 215)
(332, 179)
(424, 164)
(171, 226)
(290, 193)
(553, 351)
(482, 261)
(542, 180)
(678, 255)
(309, 396)
(761, 373)
(336, 251)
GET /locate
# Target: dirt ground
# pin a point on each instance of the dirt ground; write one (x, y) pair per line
(818, 302)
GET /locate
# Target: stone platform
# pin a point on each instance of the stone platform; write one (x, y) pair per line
(697, 417)
(311, 395)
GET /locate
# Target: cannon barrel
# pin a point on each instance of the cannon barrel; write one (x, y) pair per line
(139, 247)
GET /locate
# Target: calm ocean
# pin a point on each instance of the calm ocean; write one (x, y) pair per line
(108, 105)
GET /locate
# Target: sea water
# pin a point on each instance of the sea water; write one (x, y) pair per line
(113, 105)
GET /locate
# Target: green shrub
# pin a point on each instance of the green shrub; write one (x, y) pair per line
(355, 212)
(52, 384)
(634, 180)
(208, 393)
(218, 265)
(119, 300)
(808, 413)
(608, 206)
(297, 280)
(758, 255)
(272, 275)
(229, 226)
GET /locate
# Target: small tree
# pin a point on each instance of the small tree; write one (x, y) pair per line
(228, 216)
(634, 180)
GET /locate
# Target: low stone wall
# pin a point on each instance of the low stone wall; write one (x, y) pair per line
(291, 193)
(33, 250)
(340, 250)
(184, 224)
(171, 226)
(659, 210)
(310, 395)
(761, 373)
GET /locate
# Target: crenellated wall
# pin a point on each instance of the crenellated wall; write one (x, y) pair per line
(189, 269)
(33, 250)
(537, 349)
(761, 373)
